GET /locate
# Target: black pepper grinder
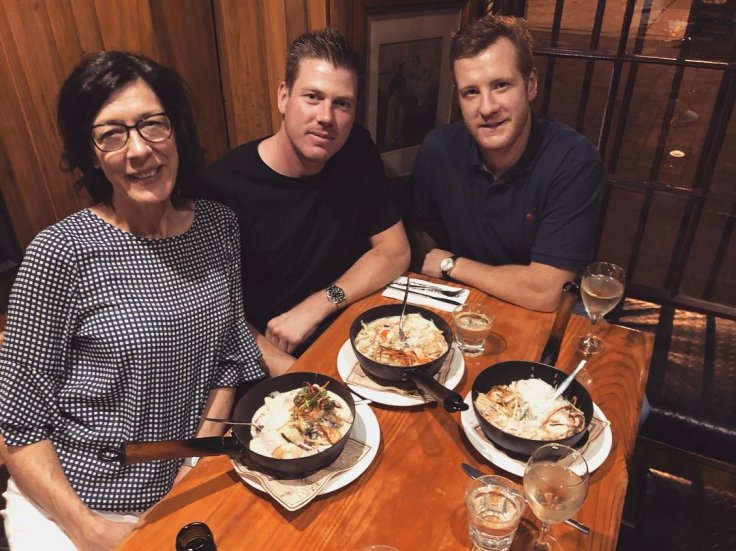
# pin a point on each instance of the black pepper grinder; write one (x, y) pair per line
(570, 292)
(195, 536)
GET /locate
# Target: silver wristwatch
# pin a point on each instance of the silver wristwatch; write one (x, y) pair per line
(447, 265)
(335, 295)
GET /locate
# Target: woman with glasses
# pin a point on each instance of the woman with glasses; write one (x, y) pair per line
(126, 319)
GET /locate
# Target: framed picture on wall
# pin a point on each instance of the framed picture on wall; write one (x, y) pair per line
(409, 85)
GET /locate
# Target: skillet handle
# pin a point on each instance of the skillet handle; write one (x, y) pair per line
(450, 399)
(140, 452)
(570, 291)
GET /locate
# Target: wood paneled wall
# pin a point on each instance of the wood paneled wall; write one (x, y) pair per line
(230, 52)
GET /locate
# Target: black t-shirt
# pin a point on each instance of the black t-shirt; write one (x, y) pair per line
(298, 235)
(543, 209)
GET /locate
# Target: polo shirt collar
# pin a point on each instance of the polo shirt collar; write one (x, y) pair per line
(524, 163)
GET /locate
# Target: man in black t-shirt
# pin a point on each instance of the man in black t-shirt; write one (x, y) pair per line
(506, 202)
(319, 227)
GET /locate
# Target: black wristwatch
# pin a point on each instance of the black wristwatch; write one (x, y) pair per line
(335, 295)
(447, 265)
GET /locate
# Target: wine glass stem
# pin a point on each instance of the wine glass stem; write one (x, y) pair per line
(541, 544)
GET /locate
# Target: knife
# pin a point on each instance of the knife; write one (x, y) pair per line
(472, 472)
(433, 297)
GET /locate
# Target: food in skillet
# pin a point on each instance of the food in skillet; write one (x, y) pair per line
(379, 341)
(299, 422)
(523, 409)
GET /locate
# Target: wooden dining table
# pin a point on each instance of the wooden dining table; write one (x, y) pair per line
(412, 494)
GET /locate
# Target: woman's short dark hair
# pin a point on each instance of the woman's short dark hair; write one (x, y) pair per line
(325, 44)
(477, 36)
(91, 84)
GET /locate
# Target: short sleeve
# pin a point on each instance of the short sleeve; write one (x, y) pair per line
(240, 356)
(425, 210)
(379, 210)
(35, 353)
(568, 223)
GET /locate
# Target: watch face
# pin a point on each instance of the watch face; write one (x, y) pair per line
(335, 294)
(447, 264)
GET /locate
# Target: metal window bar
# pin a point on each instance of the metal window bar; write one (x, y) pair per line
(550, 72)
(720, 253)
(590, 65)
(611, 106)
(620, 132)
(712, 145)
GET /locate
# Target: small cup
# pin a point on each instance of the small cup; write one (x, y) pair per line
(495, 505)
(473, 322)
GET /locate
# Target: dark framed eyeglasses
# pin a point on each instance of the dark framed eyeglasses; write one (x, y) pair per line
(113, 136)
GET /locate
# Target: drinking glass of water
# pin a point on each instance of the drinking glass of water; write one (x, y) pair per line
(495, 505)
(601, 288)
(556, 485)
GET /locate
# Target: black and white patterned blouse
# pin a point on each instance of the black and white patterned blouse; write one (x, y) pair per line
(113, 338)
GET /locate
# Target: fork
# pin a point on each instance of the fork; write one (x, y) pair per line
(436, 289)
(402, 336)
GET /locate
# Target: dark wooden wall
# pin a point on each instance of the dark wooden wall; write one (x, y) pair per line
(230, 52)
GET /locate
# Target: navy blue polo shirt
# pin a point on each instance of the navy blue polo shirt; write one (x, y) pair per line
(543, 209)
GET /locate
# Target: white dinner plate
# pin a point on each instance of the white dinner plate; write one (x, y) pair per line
(595, 454)
(346, 360)
(366, 430)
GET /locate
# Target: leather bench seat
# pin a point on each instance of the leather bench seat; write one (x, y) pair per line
(676, 514)
(692, 387)
(692, 431)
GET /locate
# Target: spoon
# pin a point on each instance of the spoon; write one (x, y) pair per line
(566, 383)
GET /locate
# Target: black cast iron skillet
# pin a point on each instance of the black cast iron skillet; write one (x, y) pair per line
(421, 376)
(138, 452)
(505, 373)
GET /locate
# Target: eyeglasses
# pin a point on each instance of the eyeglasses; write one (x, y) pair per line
(111, 136)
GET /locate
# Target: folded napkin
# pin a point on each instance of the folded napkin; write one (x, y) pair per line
(295, 493)
(595, 430)
(425, 297)
(358, 377)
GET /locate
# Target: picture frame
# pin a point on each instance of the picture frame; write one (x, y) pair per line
(409, 82)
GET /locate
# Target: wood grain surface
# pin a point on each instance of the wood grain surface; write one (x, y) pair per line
(411, 496)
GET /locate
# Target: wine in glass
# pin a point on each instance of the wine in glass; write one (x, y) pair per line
(601, 288)
(556, 485)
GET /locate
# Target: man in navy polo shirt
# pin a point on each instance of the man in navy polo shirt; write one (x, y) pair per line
(505, 201)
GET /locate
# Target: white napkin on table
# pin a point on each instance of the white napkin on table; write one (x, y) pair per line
(425, 297)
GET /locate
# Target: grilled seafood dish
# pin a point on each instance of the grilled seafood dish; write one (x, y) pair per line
(300, 422)
(379, 341)
(523, 408)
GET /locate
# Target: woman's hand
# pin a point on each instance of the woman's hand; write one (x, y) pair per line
(101, 534)
(184, 470)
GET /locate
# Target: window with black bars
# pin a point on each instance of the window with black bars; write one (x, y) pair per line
(653, 84)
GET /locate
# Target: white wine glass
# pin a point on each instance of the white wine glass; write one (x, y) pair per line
(556, 485)
(602, 287)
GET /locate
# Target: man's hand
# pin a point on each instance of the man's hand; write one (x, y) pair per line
(432, 259)
(293, 327)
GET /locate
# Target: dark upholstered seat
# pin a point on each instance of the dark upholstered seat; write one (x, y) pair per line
(677, 515)
(692, 385)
